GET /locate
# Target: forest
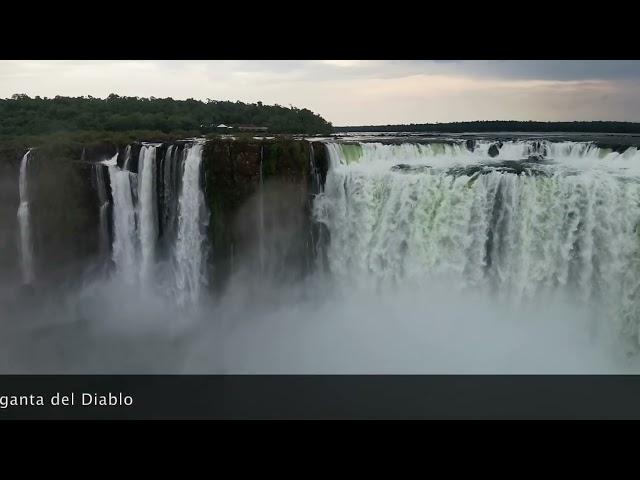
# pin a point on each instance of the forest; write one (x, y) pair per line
(23, 115)
(502, 126)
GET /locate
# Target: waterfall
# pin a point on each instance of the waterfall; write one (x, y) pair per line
(317, 234)
(450, 153)
(127, 158)
(147, 211)
(316, 181)
(167, 187)
(170, 193)
(124, 250)
(192, 223)
(26, 246)
(261, 252)
(571, 227)
(161, 198)
(105, 205)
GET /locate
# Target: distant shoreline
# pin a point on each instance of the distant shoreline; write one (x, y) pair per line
(614, 141)
(500, 126)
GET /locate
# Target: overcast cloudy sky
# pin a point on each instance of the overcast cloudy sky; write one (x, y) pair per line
(358, 92)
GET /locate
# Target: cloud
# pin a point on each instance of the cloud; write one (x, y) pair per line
(358, 91)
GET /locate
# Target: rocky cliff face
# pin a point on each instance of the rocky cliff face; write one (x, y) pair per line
(9, 201)
(64, 215)
(258, 192)
(64, 208)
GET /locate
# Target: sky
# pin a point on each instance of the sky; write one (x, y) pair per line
(358, 92)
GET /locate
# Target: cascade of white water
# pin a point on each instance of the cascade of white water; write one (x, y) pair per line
(172, 178)
(147, 211)
(571, 229)
(26, 246)
(127, 158)
(136, 220)
(125, 239)
(190, 244)
(261, 252)
(167, 189)
(103, 199)
(372, 156)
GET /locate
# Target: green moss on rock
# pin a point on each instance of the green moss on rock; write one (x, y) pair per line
(232, 178)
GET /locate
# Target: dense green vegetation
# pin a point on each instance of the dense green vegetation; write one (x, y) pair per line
(84, 138)
(502, 126)
(70, 144)
(22, 115)
(148, 118)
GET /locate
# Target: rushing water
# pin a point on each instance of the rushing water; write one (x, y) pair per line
(183, 217)
(125, 245)
(261, 233)
(104, 205)
(127, 158)
(434, 257)
(26, 246)
(147, 212)
(566, 225)
(192, 223)
(171, 178)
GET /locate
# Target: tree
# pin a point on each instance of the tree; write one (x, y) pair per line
(23, 115)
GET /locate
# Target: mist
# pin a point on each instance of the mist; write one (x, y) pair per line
(272, 321)
(106, 328)
(398, 287)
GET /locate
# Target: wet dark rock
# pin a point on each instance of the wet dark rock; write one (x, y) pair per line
(134, 158)
(519, 168)
(64, 210)
(318, 167)
(232, 176)
(508, 166)
(99, 152)
(538, 148)
(467, 170)
(470, 144)
(9, 200)
(399, 140)
(494, 150)
(403, 167)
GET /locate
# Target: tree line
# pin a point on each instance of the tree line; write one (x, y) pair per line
(502, 126)
(23, 115)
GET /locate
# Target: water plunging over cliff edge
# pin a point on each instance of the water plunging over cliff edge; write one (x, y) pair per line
(444, 256)
(24, 223)
(190, 244)
(183, 216)
(532, 221)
